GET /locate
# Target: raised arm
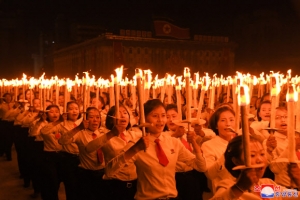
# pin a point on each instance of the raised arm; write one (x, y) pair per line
(118, 162)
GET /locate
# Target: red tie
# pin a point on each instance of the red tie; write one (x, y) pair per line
(8, 106)
(75, 125)
(99, 151)
(162, 158)
(186, 144)
(298, 154)
(122, 135)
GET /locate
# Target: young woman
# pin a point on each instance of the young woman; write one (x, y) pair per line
(51, 171)
(35, 157)
(69, 152)
(263, 118)
(247, 183)
(156, 156)
(91, 167)
(29, 117)
(125, 180)
(221, 122)
(189, 182)
(6, 126)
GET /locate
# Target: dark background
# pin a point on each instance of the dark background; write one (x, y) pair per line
(267, 31)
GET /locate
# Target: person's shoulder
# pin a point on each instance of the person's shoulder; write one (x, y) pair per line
(225, 183)
(103, 130)
(211, 143)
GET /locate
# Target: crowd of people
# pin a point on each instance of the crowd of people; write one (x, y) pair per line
(99, 154)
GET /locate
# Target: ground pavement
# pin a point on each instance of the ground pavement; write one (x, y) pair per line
(11, 186)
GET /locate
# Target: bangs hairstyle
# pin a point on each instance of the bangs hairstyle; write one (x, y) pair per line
(74, 102)
(172, 107)
(89, 109)
(235, 150)
(213, 120)
(259, 108)
(150, 105)
(49, 107)
(93, 108)
(109, 122)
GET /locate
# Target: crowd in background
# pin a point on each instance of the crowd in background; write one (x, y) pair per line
(99, 154)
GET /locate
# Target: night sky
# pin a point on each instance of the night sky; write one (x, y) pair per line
(267, 31)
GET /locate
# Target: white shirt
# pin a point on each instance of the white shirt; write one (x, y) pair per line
(63, 128)
(261, 127)
(213, 151)
(154, 180)
(88, 160)
(50, 141)
(117, 145)
(28, 119)
(280, 169)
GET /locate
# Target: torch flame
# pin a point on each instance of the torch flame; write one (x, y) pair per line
(187, 72)
(243, 95)
(292, 94)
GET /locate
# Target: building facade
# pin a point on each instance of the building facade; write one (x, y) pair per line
(138, 49)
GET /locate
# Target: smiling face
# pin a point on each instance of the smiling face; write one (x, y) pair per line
(171, 116)
(281, 120)
(158, 118)
(94, 119)
(265, 111)
(73, 112)
(226, 121)
(53, 114)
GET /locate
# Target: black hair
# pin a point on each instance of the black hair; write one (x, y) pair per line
(107, 97)
(5, 94)
(93, 108)
(74, 102)
(213, 120)
(49, 107)
(259, 107)
(171, 107)
(151, 105)
(234, 150)
(110, 121)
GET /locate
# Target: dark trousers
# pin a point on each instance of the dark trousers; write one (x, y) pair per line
(269, 174)
(69, 167)
(21, 135)
(190, 185)
(51, 175)
(92, 186)
(8, 133)
(34, 164)
(122, 190)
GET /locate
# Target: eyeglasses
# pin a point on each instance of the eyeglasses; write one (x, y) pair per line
(281, 117)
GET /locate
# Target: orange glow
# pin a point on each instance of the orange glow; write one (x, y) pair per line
(292, 94)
